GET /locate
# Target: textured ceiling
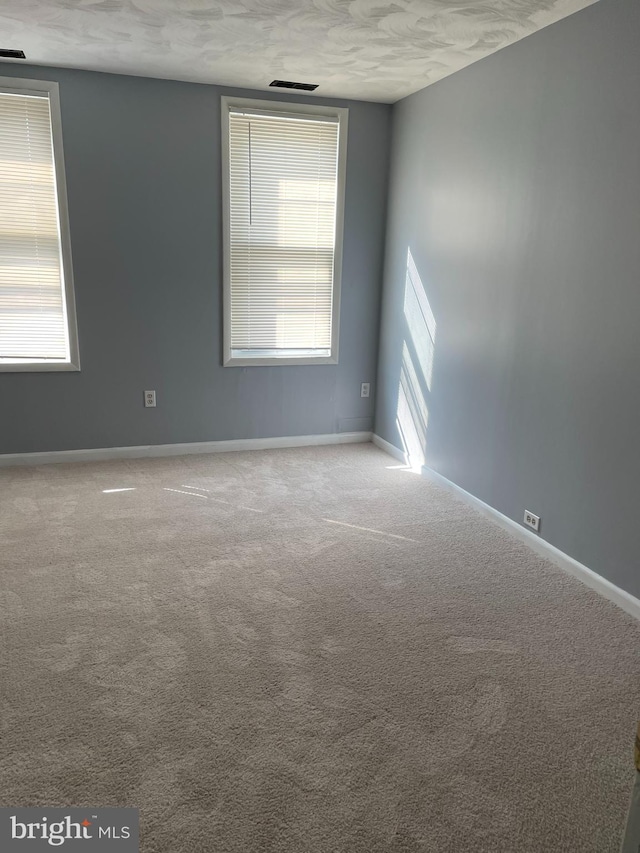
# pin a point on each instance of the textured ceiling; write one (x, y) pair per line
(368, 49)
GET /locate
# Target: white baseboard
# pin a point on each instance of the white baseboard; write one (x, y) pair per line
(602, 586)
(102, 453)
(389, 448)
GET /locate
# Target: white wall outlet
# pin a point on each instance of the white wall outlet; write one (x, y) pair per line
(531, 520)
(149, 399)
(365, 388)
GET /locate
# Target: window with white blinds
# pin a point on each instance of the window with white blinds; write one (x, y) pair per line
(37, 329)
(283, 225)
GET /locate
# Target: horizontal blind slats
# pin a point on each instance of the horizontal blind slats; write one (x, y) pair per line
(283, 187)
(32, 311)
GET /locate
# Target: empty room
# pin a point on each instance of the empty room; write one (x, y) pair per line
(319, 408)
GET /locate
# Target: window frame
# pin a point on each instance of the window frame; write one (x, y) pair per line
(228, 104)
(21, 86)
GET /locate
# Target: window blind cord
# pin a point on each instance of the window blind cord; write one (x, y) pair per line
(250, 175)
(30, 158)
(250, 214)
(315, 289)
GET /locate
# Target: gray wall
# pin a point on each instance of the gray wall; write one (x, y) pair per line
(143, 176)
(515, 183)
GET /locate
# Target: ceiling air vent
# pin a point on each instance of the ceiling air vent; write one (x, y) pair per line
(12, 54)
(287, 84)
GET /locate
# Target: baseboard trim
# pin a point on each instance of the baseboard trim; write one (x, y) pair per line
(105, 453)
(623, 599)
(389, 448)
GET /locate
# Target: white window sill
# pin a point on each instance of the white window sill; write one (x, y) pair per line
(38, 366)
(282, 361)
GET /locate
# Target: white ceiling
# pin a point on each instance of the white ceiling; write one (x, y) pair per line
(368, 49)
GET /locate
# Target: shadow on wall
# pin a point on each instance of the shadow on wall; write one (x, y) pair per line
(416, 368)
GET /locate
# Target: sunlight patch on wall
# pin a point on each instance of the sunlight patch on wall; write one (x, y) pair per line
(420, 320)
(416, 369)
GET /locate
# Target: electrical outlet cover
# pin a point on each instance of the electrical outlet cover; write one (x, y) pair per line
(532, 520)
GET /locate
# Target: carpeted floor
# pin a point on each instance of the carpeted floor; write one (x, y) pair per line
(304, 651)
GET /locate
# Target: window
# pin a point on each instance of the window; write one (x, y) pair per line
(37, 315)
(283, 168)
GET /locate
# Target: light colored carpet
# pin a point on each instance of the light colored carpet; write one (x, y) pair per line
(305, 651)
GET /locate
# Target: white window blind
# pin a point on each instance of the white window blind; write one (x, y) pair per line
(33, 311)
(283, 197)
